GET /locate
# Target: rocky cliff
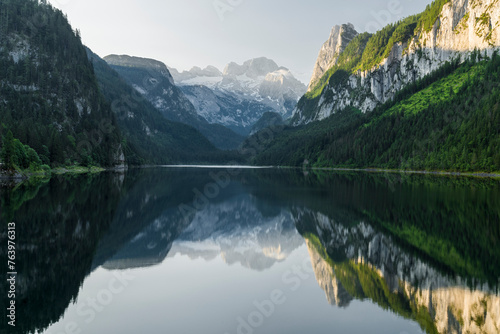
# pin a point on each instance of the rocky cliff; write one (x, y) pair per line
(461, 27)
(340, 37)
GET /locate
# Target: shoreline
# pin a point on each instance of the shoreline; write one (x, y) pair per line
(401, 171)
(20, 176)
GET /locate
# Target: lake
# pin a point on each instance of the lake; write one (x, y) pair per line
(230, 251)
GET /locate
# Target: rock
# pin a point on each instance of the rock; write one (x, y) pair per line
(340, 37)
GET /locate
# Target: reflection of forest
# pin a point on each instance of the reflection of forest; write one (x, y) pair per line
(401, 242)
(58, 225)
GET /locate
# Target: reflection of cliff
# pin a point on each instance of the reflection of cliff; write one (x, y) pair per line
(452, 222)
(374, 267)
(325, 275)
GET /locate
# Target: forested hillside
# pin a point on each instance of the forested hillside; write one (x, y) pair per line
(449, 120)
(49, 97)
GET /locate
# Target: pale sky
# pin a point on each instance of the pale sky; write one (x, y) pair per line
(187, 33)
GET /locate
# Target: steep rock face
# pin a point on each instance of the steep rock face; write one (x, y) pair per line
(240, 95)
(463, 26)
(452, 305)
(340, 37)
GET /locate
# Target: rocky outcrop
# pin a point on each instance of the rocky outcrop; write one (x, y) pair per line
(462, 27)
(340, 37)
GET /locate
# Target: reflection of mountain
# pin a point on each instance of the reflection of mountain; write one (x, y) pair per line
(147, 219)
(151, 245)
(238, 231)
(233, 228)
(357, 229)
(374, 267)
(451, 223)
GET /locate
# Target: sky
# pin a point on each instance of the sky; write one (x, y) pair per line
(187, 33)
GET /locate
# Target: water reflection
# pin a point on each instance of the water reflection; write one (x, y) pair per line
(424, 248)
(58, 226)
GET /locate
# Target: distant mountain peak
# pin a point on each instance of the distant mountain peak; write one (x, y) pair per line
(240, 95)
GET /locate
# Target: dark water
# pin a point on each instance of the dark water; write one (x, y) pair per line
(254, 251)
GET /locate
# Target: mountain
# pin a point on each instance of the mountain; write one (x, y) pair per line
(240, 95)
(152, 79)
(235, 228)
(417, 95)
(340, 37)
(49, 96)
(371, 69)
(151, 138)
(267, 120)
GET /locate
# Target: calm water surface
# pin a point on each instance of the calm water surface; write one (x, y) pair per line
(177, 250)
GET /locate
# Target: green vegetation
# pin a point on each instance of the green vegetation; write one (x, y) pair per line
(49, 97)
(449, 120)
(430, 15)
(18, 157)
(380, 45)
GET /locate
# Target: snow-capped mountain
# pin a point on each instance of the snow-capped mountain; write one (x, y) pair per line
(238, 96)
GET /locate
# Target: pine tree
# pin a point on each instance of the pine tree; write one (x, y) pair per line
(8, 151)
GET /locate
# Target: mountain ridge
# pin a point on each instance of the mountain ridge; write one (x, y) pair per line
(402, 53)
(240, 95)
(153, 80)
